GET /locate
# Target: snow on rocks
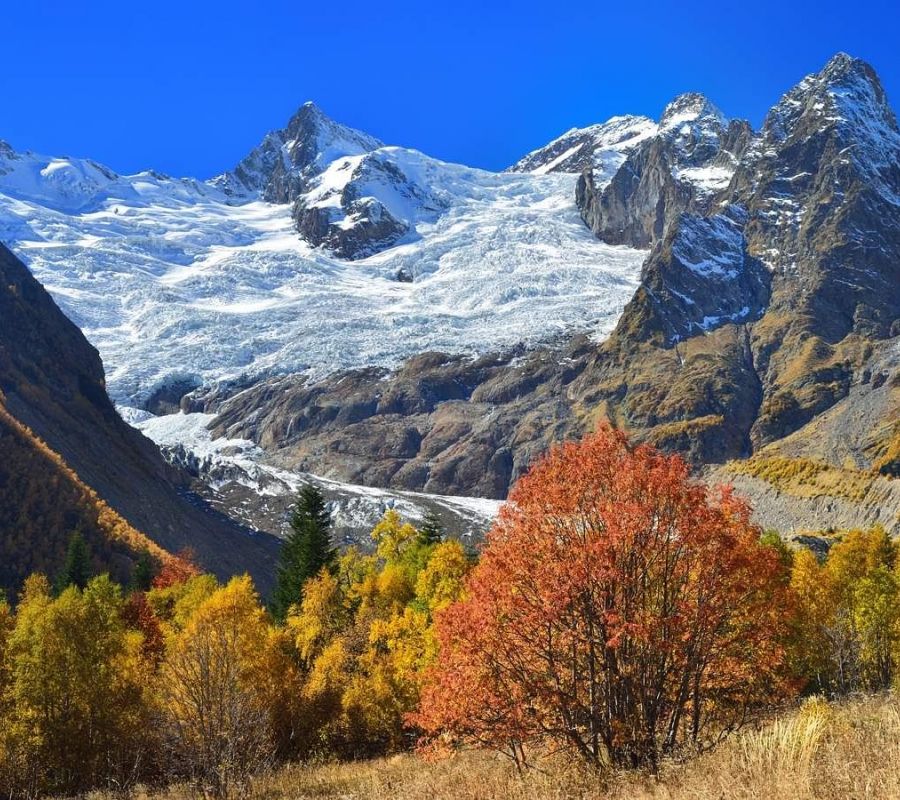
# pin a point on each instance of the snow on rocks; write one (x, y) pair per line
(224, 464)
(172, 280)
(602, 147)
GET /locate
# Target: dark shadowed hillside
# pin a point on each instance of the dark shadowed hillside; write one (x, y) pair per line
(52, 381)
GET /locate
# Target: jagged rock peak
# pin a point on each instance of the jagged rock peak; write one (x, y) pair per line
(688, 108)
(602, 146)
(311, 122)
(845, 93)
(279, 168)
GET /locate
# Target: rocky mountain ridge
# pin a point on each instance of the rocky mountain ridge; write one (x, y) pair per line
(767, 294)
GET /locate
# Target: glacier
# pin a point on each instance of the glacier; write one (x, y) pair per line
(172, 280)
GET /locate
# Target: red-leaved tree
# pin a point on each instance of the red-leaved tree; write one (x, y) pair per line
(619, 609)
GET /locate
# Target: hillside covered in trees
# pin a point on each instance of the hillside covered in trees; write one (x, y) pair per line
(43, 501)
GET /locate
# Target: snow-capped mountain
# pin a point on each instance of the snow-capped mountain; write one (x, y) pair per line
(602, 147)
(185, 283)
(280, 169)
(775, 298)
(388, 319)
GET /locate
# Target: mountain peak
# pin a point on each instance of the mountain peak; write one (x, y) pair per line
(845, 95)
(602, 146)
(845, 77)
(689, 107)
(279, 168)
(841, 66)
(308, 117)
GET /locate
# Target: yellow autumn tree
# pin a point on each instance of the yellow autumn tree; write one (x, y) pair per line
(816, 598)
(77, 688)
(417, 581)
(393, 537)
(212, 685)
(442, 580)
(175, 604)
(363, 636)
(6, 625)
(848, 622)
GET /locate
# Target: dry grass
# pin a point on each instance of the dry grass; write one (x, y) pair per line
(820, 752)
(803, 477)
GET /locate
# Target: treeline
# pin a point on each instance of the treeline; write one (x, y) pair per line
(619, 611)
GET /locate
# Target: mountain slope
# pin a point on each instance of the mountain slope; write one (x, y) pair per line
(69, 448)
(600, 147)
(814, 223)
(769, 298)
(42, 501)
(803, 244)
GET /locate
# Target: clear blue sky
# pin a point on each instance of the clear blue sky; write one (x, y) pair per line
(187, 87)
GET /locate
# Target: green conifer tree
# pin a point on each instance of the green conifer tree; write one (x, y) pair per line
(76, 570)
(432, 529)
(305, 552)
(143, 573)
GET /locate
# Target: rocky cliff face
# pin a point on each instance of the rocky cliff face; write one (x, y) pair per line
(683, 167)
(797, 284)
(363, 205)
(52, 382)
(440, 424)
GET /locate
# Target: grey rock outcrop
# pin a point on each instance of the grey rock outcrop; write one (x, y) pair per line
(682, 168)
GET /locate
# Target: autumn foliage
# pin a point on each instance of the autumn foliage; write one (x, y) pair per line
(619, 609)
(620, 612)
(42, 501)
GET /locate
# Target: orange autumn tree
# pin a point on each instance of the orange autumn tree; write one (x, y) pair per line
(619, 610)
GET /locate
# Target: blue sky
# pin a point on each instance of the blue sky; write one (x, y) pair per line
(188, 87)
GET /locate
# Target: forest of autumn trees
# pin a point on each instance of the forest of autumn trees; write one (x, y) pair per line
(619, 611)
(42, 500)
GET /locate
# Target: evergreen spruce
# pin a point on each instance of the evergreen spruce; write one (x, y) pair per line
(432, 530)
(305, 552)
(143, 573)
(76, 570)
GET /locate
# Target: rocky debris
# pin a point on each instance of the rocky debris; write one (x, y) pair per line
(441, 424)
(264, 499)
(792, 515)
